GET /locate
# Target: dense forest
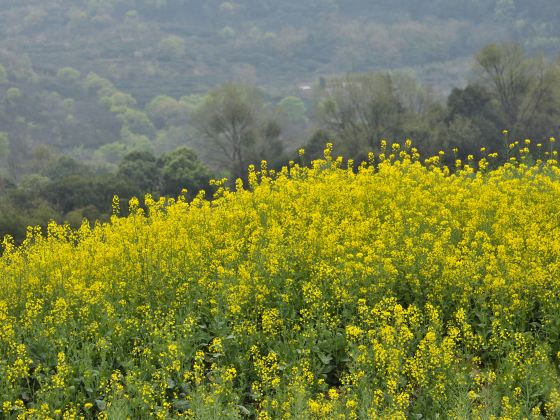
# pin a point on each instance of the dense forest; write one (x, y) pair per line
(177, 47)
(128, 97)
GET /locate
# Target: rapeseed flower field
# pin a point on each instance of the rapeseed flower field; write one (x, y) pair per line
(398, 288)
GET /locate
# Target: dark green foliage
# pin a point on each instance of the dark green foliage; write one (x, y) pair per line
(65, 167)
(141, 170)
(72, 192)
(475, 113)
(314, 148)
(20, 208)
(182, 169)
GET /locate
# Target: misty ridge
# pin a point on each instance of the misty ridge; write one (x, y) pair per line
(128, 97)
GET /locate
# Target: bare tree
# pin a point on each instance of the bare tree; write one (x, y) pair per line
(235, 127)
(361, 110)
(523, 86)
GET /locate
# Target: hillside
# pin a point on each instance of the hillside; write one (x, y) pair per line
(398, 289)
(179, 47)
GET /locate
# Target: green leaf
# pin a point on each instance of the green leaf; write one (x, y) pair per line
(101, 405)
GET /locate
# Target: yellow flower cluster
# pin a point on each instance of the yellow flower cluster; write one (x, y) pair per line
(391, 289)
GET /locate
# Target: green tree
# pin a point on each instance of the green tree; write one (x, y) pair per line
(34, 184)
(171, 48)
(4, 147)
(182, 169)
(292, 109)
(68, 75)
(65, 167)
(73, 192)
(474, 111)
(110, 153)
(99, 85)
(164, 110)
(135, 142)
(75, 217)
(316, 144)
(118, 102)
(141, 169)
(137, 122)
(13, 94)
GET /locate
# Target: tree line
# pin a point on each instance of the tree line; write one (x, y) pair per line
(511, 95)
(509, 90)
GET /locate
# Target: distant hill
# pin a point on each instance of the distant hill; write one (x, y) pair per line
(176, 47)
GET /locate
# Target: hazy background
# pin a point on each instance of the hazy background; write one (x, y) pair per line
(180, 47)
(101, 97)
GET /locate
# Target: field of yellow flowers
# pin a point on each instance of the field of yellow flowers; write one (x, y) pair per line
(396, 289)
